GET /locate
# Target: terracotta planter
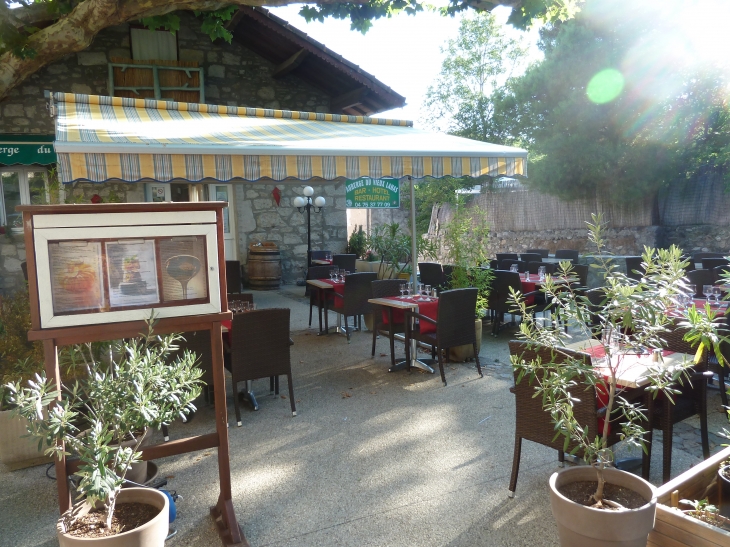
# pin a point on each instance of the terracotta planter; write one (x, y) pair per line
(581, 526)
(152, 534)
(16, 450)
(674, 528)
(464, 353)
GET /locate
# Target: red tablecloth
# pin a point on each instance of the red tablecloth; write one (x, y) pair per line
(339, 291)
(529, 286)
(700, 305)
(428, 308)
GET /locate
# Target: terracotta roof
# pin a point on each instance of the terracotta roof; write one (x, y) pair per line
(353, 91)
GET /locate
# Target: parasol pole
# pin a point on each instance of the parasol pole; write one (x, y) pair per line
(414, 244)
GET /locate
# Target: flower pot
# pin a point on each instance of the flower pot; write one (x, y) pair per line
(368, 318)
(17, 450)
(723, 490)
(151, 534)
(466, 352)
(137, 472)
(581, 526)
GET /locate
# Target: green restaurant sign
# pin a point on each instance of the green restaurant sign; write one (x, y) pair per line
(26, 149)
(370, 193)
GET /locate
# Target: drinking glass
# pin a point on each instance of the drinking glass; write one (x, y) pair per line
(402, 290)
(707, 291)
(252, 306)
(336, 269)
(513, 268)
(541, 273)
(328, 256)
(527, 276)
(427, 290)
(717, 294)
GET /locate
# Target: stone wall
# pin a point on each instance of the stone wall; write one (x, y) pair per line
(234, 76)
(259, 219)
(697, 238)
(12, 254)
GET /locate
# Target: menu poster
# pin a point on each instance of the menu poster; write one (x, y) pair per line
(132, 273)
(184, 268)
(76, 276)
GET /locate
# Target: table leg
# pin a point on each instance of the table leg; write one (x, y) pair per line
(423, 364)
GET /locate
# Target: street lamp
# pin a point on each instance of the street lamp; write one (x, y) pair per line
(306, 204)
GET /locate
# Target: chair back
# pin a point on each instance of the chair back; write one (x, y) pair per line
(318, 255)
(504, 256)
(382, 288)
(345, 262)
(542, 252)
(456, 314)
(712, 263)
(260, 344)
(506, 263)
(358, 290)
(700, 278)
(596, 298)
(431, 273)
(530, 257)
(499, 293)
(581, 271)
(534, 267)
(532, 421)
(700, 257)
(718, 271)
(319, 272)
(633, 267)
(494, 264)
(233, 276)
(567, 254)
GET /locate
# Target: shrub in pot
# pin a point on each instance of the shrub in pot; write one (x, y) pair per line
(139, 387)
(635, 314)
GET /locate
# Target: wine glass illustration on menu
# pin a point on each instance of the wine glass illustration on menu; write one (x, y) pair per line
(183, 268)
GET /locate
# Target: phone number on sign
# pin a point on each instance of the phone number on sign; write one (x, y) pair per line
(374, 204)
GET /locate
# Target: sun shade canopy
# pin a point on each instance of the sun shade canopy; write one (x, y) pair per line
(113, 138)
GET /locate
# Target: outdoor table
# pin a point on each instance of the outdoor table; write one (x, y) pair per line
(323, 286)
(397, 305)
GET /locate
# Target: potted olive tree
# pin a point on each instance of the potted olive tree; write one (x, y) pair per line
(393, 246)
(140, 387)
(635, 315)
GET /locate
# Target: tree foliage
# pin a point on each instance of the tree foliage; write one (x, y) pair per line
(478, 65)
(34, 33)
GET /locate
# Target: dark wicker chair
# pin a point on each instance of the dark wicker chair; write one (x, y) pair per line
(345, 262)
(700, 278)
(504, 256)
(692, 401)
(534, 267)
(544, 253)
(535, 424)
(233, 276)
(718, 271)
(634, 269)
(454, 327)
(318, 255)
(494, 264)
(260, 347)
(530, 257)
(354, 301)
(567, 254)
(499, 302)
(432, 273)
(506, 263)
(317, 272)
(700, 257)
(581, 272)
(381, 289)
(712, 263)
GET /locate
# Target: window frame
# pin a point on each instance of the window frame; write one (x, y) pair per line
(24, 187)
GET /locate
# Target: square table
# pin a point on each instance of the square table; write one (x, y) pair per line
(407, 305)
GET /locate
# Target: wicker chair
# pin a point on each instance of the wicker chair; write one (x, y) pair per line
(499, 302)
(454, 327)
(533, 423)
(345, 262)
(699, 278)
(534, 267)
(233, 276)
(718, 271)
(700, 257)
(381, 289)
(317, 272)
(504, 256)
(354, 301)
(567, 254)
(506, 263)
(634, 269)
(432, 274)
(690, 402)
(260, 349)
(712, 263)
(530, 257)
(544, 253)
(318, 255)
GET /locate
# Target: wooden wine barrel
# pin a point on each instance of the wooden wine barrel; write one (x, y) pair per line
(264, 266)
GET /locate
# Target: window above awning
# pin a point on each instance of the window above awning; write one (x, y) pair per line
(26, 149)
(113, 138)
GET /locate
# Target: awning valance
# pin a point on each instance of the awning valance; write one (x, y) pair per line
(26, 149)
(106, 138)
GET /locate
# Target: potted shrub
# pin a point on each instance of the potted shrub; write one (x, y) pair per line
(635, 313)
(139, 388)
(465, 242)
(357, 244)
(393, 247)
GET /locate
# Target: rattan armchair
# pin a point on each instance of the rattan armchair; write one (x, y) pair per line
(354, 301)
(260, 348)
(530, 257)
(345, 262)
(432, 273)
(567, 254)
(544, 253)
(454, 327)
(634, 270)
(712, 263)
(504, 256)
(382, 289)
(499, 301)
(534, 423)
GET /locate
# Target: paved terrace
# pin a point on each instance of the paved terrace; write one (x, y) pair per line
(372, 459)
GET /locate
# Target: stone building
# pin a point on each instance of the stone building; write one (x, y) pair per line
(269, 64)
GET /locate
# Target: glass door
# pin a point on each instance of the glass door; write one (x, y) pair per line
(224, 192)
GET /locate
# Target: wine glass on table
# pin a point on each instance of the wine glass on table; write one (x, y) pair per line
(513, 268)
(717, 294)
(427, 290)
(402, 290)
(707, 292)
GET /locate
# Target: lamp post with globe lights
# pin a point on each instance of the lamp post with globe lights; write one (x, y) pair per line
(306, 204)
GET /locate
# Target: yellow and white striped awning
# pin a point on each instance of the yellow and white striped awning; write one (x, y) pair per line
(113, 138)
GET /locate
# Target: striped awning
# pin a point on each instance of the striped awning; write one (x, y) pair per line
(101, 138)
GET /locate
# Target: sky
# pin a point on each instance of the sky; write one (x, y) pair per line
(402, 52)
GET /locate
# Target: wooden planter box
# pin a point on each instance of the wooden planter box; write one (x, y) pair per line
(16, 450)
(674, 529)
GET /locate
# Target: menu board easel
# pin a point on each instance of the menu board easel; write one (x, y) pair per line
(95, 272)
